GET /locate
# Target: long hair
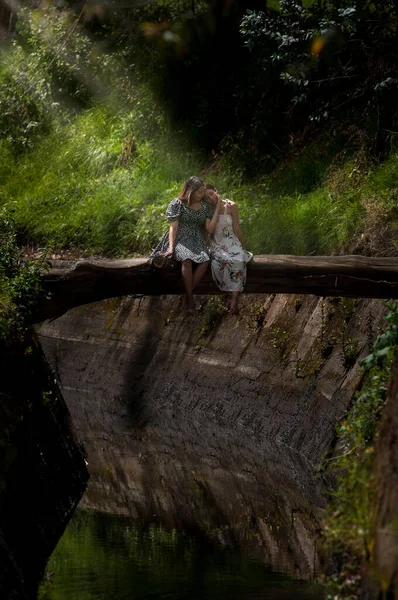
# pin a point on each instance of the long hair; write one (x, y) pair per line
(191, 185)
(209, 186)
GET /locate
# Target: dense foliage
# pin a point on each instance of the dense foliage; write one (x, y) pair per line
(258, 84)
(332, 66)
(256, 81)
(349, 526)
(19, 281)
(105, 112)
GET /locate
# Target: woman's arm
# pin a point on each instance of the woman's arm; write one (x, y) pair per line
(211, 223)
(236, 224)
(172, 238)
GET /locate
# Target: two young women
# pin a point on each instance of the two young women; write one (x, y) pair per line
(197, 209)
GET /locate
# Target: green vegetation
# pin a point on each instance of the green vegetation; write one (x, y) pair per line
(19, 281)
(84, 198)
(348, 528)
(92, 150)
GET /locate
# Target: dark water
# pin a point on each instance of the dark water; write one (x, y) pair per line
(106, 557)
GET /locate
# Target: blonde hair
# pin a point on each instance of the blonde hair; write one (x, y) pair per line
(191, 185)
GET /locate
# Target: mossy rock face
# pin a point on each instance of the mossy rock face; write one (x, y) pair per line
(211, 312)
(156, 399)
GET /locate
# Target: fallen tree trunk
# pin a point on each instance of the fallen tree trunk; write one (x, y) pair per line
(73, 283)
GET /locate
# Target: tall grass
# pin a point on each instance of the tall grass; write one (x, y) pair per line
(97, 180)
(74, 191)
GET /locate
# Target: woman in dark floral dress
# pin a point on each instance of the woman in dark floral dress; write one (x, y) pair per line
(189, 217)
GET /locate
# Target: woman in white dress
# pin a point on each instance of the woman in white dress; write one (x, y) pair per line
(227, 248)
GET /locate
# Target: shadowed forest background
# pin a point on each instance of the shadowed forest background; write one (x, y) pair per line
(289, 108)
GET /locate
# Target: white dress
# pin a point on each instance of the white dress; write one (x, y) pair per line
(228, 258)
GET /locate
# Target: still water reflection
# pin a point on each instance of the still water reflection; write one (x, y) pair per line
(105, 557)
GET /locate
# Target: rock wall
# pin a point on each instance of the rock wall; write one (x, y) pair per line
(42, 470)
(214, 421)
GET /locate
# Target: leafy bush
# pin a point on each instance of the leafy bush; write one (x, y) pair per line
(323, 66)
(24, 105)
(19, 280)
(348, 527)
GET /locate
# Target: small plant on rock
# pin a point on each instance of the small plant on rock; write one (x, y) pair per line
(213, 310)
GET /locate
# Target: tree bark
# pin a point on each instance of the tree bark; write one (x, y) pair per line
(73, 283)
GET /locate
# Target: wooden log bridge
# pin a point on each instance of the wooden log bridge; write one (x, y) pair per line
(73, 283)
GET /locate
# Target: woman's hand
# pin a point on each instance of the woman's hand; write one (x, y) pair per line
(168, 253)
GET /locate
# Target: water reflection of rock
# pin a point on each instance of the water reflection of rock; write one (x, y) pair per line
(222, 435)
(266, 503)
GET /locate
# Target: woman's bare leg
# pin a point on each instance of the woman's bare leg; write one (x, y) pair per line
(234, 303)
(186, 270)
(198, 273)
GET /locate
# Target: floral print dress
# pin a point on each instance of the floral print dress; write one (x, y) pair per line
(189, 242)
(228, 258)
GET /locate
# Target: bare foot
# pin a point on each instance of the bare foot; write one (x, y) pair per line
(191, 308)
(234, 309)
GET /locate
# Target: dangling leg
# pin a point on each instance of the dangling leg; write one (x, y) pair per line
(186, 270)
(198, 274)
(239, 277)
(196, 277)
(234, 309)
